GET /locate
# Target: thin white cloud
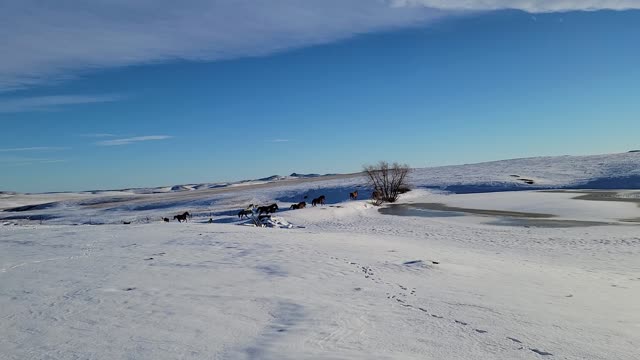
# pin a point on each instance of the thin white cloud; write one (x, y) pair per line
(45, 103)
(50, 41)
(34, 148)
(132, 140)
(280, 140)
(21, 160)
(531, 6)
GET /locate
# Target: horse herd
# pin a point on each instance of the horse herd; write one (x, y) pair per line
(265, 210)
(315, 202)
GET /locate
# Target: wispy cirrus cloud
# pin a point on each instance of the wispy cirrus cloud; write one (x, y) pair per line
(33, 148)
(46, 103)
(23, 160)
(52, 41)
(14, 157)
(532, 6)
(132, 140)
(279, 140)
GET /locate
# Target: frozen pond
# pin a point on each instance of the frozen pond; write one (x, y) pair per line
(499, 217)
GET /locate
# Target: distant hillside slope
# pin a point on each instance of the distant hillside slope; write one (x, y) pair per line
(611, 171)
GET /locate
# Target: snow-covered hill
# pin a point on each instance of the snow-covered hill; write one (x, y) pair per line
(619, 171)
(611, 171)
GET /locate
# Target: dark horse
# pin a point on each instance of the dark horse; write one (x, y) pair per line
(165, 219)
(244, 213)
(318, 201)
(182, 217)
(353, 195)
(268, 209)
(300, 205)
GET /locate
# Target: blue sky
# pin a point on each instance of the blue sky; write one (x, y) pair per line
(114, 95)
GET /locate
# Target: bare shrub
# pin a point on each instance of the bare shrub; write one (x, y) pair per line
(387, 180)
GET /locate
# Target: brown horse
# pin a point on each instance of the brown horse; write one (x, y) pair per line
(318, 201)
(353, 195)
(267, 209)
(300, 205)
(182, 217)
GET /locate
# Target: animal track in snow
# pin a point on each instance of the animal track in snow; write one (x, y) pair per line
(401, 299)
(540, 352)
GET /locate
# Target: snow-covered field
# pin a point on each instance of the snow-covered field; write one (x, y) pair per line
(346, 282)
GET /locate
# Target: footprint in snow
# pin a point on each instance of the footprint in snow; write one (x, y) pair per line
(432, 315)
(540, 352)
(412, 262)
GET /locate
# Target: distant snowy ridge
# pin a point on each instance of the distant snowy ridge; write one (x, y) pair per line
(191, 187)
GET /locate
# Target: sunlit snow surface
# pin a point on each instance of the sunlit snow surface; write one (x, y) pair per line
(343, 282)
